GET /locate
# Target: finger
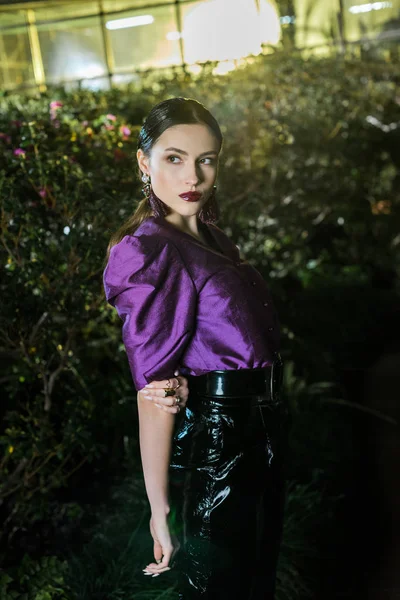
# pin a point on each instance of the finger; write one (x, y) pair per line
(171, 382)
(181, 381)
(156, 568)
(151, 569)
(159, 396)
(157, 551)
(163, 383)
(160, 393)
(166, 555)
(168, 404)
(170, 409)
(168, 401)
(166, 558)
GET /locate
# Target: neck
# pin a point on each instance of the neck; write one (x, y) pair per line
(187, 224)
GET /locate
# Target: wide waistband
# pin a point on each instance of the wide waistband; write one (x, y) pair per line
(231, 383)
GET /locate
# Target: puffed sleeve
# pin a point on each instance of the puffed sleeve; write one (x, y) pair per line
(147, 282)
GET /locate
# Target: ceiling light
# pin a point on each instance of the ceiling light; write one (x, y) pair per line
(130, 22)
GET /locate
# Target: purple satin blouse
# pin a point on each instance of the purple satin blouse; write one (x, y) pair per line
(186, 306)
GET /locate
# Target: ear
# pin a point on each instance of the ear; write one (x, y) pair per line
(142, 161)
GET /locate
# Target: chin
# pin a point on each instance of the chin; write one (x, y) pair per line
(188, 210)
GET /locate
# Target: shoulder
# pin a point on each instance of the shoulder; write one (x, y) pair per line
(137, 249)
(144, 245)
(138, 259)
(225, 241)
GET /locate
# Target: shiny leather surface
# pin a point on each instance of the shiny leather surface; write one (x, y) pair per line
(233, 383)
(227, 492)
(215, 383)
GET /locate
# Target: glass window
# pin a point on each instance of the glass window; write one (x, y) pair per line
(144, 39)
(65, 11)
(126, 78)
(72, 49)
(223, 30)
(269, 22)
(16, 64)
(11, 17)
(369, 19)
(316, 23)
(111, 5)
(100, 83)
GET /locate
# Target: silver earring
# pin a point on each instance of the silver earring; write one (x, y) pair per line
(146, 189)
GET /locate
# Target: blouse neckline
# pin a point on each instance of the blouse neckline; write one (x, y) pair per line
(205, 228)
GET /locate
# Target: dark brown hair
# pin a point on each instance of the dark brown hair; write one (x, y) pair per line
(175, 111)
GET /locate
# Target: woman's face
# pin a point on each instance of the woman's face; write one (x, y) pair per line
(184, 159)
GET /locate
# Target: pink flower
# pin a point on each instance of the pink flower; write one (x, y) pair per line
(111, 117)
(54, 106)
(125, 130)
(85, 123)
(110, 127)
(19, 152)
(43, 192)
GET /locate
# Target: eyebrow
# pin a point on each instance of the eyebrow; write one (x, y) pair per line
(186, 154)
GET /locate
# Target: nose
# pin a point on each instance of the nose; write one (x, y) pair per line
(192, 175)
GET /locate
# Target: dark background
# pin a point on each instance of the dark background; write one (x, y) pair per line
(309, 190)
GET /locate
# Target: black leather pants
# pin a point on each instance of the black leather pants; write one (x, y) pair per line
(227, 493)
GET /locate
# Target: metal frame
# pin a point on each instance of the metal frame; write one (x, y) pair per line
(34, 42)
(36, 54)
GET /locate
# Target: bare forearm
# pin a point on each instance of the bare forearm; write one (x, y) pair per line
(155, 435)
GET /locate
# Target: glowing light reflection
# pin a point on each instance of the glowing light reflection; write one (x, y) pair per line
(224, 67)
(230, 30)
(363, 8)
(130, 22)
(173, 35)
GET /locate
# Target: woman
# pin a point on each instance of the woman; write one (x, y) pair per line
(191, 306)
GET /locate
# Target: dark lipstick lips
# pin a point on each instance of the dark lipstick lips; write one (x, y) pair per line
(190, 196)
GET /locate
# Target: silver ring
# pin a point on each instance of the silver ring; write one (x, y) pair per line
(177, 399)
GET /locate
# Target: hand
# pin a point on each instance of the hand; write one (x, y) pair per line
(154, 392)
(162, 547)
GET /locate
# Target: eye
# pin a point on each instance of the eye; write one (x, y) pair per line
(212, 160)
(172, 156)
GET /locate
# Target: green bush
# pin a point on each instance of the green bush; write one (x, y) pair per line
(309, 189)
(59, 343)
(35, 580)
